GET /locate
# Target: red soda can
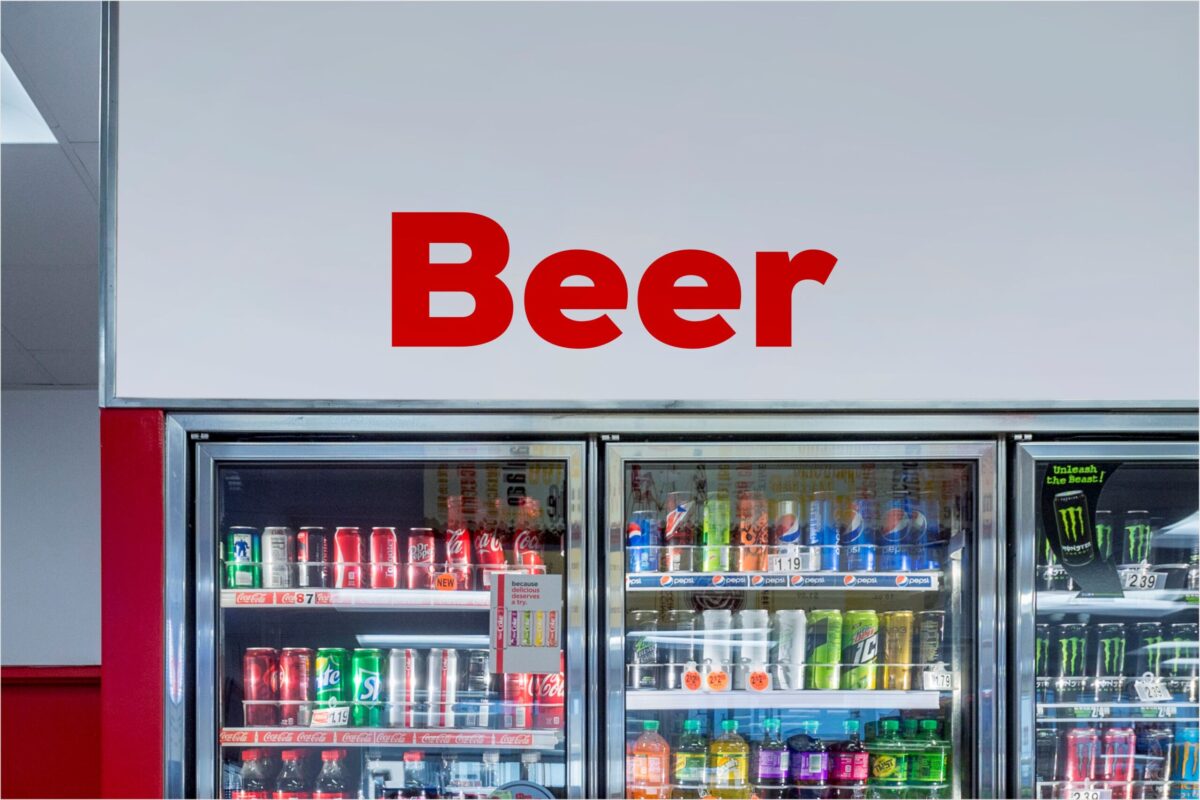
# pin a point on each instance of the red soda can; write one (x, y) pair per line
(295, 686)
(347, 559)
(532, 563)
(384, 572)
(458, 557)
(260, 686)
(1083, 751)
(419, 572)
(1116, 764)
(527, 539)
(550, 699)
(518, 700)
(489, 552)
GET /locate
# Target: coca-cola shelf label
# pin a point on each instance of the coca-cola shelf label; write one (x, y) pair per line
(526, 623)
(360, 598)
(353, 737)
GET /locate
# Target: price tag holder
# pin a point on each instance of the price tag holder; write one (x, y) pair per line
(1099, 712)
(1089, 794)
(336, 717)
(445, 582)
(789, 558)
(1151, 689)
(692, 681)
(717, 681)
(758, 681)
(937, 679)
(1136, 579)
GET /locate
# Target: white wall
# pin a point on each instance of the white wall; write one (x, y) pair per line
(50, 527)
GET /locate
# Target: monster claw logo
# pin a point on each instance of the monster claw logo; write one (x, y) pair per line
(1071, 522)
(1041, 655)
(1112, 654)
(1074, 535)
(1070, 654)
(1137, 543)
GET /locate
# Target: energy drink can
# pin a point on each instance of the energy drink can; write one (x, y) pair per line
(1070, 661)
(822, 530)
(1083, 755)
(931, 637)
(1046, 755)
(1137, 538)
(1076, 539)
(1104, 534)
(823, 649)
(243, 558)
(714, 552)
(643, 540)
(860, 649)
(1116, 761)
(790, 632)
(1109, 670)
(1152, 763)
(1041, 660)
(641, 651)
(1187, 762)
(753, 637)
(1147, 648)
(897, 649)
(367, 677)
(681, 652)
(1181, 661)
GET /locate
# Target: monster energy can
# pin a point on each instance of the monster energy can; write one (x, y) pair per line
(1104, 534)
(860, 649)
(1137, 538)
(1147, 649)
(1041, 660)
(1076, 539)
(823, 649)
(1181, 661)
(1070, 665)
(1110, 661)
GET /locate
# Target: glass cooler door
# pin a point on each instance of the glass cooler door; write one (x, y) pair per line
(1107, 644)
(388, 620)
(800, 620)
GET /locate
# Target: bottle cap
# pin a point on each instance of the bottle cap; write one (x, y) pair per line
(491, 757)
(533, 758)
(891, 725)
(331, 755)
(414, 755)
(249, 755)
(811, 726)
(850, 726)
(929, 724)
(650, 725)
(691, 725)
(729, 725)
(771, 723)
(291, 755)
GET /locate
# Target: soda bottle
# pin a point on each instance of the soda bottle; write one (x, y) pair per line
(729, 763)
(849, 765)
(489, 772)
(332, 781)
(256, 777)
(930, 757)
(769, 762)
(808, 765)
(291, 781)
(415, 781)
(687, 777)
(651, 759)
(888, 760)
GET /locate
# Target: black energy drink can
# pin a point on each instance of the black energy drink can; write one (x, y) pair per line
(1076, 538)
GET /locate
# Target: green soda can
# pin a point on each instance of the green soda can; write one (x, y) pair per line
(367, 670)
(860, 649)
(823, 649)
(715, 534)
(332, 666)
(243, 558)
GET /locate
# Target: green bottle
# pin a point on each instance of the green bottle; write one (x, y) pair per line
(690, 759)
(889, 756)
(931, 756)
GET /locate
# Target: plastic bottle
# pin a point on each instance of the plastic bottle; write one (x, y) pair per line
(888, 761)
(849, 765)
(256, 779)
(489, 771)
(808, 766)
(729, 763)
(930, 757)
(290, 782)
(769, 762)
(691, 757)
(416, 781)
(651, 764)
(332, 782)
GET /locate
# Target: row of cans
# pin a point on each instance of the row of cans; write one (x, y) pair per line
(311, 557)
(1077, 662)
(1132, 763)
(827, 532)
(796, 649)
(1132, 542)
(400, 687)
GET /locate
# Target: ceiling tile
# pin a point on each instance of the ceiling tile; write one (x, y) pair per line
(50, 217)
(54, 48)
(18, 368)
(76, 367)
(51, 309)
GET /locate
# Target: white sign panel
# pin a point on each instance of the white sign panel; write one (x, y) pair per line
(1007, 195)
(526, 623)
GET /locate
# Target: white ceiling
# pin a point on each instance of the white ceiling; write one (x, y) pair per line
(50, 218)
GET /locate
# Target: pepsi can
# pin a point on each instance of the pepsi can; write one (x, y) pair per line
(822, 531)
(894, 534)
(643, 539)
(925, 532)
(856, 535)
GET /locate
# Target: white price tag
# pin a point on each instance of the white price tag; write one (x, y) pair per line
(1151, 689)
(336, 717)
(793, 558)
(1089, 794)
(1137, 579)
(937, 680)
(1101, 711)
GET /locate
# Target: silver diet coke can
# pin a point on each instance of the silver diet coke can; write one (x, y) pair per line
(442, 672)
(789, 634)
(405, 688)
(753, 635)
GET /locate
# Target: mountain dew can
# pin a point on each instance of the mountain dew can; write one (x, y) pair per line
(860, 649)
(823, 649)
(715, 533)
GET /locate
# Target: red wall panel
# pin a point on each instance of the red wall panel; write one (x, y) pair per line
(35, 702)
(131, 587)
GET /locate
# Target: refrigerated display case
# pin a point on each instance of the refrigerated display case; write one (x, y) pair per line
(1106, 646)
(812, 620)
(346, 627)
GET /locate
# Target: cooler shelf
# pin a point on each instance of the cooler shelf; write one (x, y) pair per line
(675, 699)
(432, 739)
(767, 581)
(1150, 604)
(351, 599)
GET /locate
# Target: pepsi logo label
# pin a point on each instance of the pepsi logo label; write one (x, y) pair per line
(848, 580)
(756, 580)
(665, 580)
(901, 580)
(796, 580)
(718, 579)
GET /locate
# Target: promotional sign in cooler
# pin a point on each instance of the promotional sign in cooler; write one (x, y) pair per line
(1108, 549)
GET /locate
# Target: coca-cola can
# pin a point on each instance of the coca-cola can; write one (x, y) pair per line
(518, 700)
(278, 553)
(295, 686)
(260, 686)
(419, 571)
(312, 558)
(528, 537)
(489, 554)
(406, 688)
(347, 559)
(477, 689)
(458, 557)
(532, 563)
(550, 698)
(385, 574)
(443, 687)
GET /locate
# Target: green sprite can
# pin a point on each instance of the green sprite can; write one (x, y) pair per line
(823, 649)
(332, 666)
(243, 558)
(860, 649)
(715, 534)
(367, 671)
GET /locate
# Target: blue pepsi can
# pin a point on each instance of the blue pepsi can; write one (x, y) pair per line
(822, 531)
(856, 534)
(925, 532)
(895, 552)
(860, 557)
(642, 542)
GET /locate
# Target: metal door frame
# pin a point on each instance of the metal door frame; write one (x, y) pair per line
(207, 458)
(1021, 734)
(989, 586)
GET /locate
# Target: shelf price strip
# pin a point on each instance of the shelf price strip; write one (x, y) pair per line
(829, 580)
(366, 738)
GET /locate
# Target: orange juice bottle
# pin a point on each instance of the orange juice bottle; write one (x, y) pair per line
(651, 771)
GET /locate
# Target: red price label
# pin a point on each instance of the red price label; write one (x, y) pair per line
(718, 680)
(691, 680)
(759, 681)
(445, 582)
